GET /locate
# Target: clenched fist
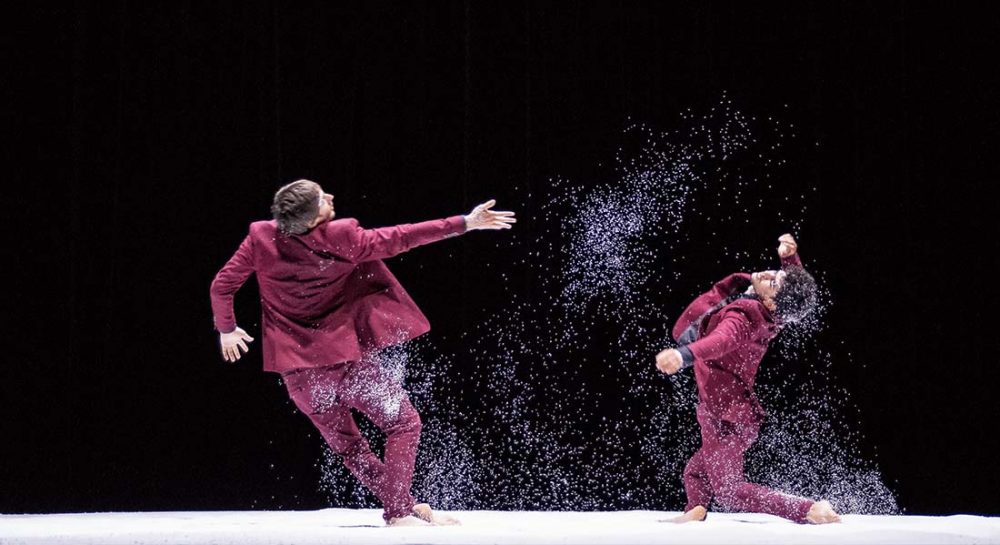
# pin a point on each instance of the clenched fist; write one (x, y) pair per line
(787, 246)
(669, 361)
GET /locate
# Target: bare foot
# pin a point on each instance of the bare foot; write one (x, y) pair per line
(408, 520)
(822, 512)
(697, 513)
(425, 513)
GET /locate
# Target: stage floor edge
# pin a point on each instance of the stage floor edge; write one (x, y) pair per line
(364, 526)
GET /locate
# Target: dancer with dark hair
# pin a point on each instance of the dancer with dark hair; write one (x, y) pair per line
(724, 334)
(329, 303)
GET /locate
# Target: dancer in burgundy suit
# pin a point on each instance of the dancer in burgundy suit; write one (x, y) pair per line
(724, 334)
(328, 303)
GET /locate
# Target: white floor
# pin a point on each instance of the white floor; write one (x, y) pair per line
(335, 526)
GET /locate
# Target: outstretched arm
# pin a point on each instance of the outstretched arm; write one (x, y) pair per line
(385, 242)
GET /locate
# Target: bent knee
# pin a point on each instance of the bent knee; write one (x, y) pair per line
(407, 421)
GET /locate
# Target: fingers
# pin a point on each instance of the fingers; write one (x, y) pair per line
(502, 219)
(498, 220)
(232, 342)
(482, 217)
(231, 352)
(502, 223)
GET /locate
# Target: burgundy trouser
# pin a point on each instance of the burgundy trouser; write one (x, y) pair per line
(327, 395)
(716, 471)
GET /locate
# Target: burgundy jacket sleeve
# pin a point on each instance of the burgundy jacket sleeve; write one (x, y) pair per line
(722, 289)
(735, 329)
(371, 244)
(226, 283)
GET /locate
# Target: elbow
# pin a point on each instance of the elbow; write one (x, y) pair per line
(217, 288)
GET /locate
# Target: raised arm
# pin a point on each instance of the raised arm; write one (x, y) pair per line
(733, 330)
(722, 289)
(385, 242)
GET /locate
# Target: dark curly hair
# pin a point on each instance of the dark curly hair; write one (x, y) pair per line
(797, 296)
(295, 206)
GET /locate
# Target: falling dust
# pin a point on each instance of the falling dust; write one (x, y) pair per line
(553, 403)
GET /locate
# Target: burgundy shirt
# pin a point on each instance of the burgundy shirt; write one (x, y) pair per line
(326, 296)
(729, 346)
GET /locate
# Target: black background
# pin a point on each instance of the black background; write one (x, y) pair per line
(141, 139)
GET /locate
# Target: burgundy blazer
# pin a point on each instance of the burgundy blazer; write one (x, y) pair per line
(326, 296)
(729, 346)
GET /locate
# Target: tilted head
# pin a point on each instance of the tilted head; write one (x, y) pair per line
(791, 293)
(300, 206)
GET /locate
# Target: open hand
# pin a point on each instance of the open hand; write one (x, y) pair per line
(482, 217)
(232, 342)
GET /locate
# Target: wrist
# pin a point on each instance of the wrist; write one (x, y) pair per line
(687, 357)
